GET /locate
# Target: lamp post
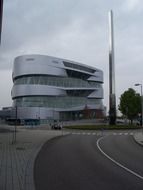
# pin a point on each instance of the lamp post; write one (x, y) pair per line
(138, 84)
(15, 127)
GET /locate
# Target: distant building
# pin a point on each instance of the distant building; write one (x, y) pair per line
(46, 88)
(5, 113)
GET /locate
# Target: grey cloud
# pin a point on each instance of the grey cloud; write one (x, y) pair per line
(76, 30)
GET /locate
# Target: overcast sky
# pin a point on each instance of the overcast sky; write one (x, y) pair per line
(76, 30)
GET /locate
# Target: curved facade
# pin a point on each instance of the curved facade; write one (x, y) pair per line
(47, 87)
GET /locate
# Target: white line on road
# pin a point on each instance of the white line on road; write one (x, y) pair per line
(99, 133)
(117, 163)
(73, 133)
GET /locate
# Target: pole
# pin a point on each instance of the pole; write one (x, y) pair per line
(15, 122)
(112, 97)
(138, 84)
(141, 106)
(1, 15)
(15, 127)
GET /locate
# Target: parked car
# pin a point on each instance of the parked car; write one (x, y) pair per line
(56, 126)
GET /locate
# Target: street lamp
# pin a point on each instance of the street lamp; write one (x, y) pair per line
(15, 126)
(138, 84)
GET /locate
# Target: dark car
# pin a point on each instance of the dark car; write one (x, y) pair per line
(56, 126)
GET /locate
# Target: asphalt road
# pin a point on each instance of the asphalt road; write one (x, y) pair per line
(87, 162)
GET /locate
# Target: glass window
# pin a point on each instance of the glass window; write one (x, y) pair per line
(79, 67)
(54, 102)
(56, 81)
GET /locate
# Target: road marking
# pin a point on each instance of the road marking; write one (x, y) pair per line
(100, 133)
(73, 133)
(117, 163)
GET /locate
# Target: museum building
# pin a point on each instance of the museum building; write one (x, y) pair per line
(50, 88)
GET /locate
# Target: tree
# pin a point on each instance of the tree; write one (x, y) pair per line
(130, 104)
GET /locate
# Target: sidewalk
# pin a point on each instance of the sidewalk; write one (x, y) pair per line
(138, 136)
(17, 160)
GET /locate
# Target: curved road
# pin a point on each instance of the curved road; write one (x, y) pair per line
(87, 162)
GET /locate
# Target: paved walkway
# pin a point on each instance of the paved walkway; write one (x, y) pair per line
(138, 136)
(17, 160)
